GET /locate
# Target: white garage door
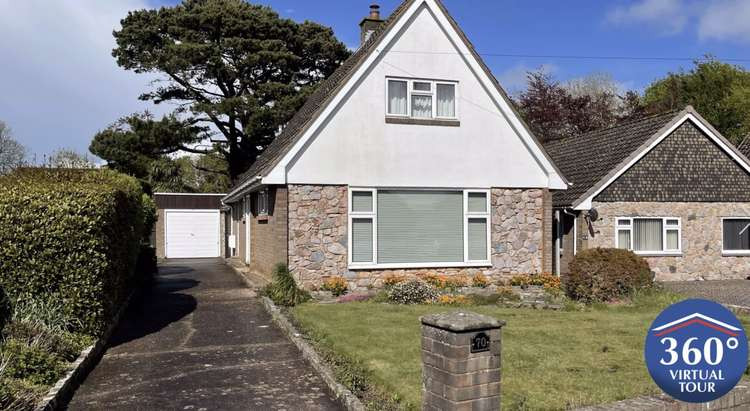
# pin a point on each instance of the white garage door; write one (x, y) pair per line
(192, 233)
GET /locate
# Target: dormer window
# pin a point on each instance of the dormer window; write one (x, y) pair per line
(422, 99)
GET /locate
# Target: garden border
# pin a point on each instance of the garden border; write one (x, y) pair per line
(347, 398)
(82, 366)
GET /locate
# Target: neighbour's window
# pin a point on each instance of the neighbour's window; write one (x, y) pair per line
(422, 99)
(648, 235)
(262, 202)
(736, 235)
(419, 227)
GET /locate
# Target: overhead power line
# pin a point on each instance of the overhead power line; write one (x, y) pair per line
(584, 57)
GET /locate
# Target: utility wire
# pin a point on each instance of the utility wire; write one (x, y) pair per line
(581, 57)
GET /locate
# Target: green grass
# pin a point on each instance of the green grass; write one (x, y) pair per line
(551, 360)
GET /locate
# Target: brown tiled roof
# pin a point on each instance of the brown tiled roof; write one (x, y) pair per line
(326, 91)
(318, 100)
(588, 158)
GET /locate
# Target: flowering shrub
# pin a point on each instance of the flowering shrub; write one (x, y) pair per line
(480, 280)
(445, 282)
(392, 279)
(412, 292)
(548, 281)
(336, 285)
(448, 299)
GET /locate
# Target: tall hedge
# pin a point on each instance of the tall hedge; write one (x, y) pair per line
(72, 236)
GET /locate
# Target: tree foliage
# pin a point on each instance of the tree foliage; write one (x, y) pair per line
(554, 110)
(12, 153)
(233, 66)
(720, 92)
(67, 158)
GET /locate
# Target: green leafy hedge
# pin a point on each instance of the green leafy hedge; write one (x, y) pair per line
(72, 236)
(606, 274)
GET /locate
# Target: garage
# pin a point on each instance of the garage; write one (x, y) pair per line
(192, 233)
(188, 226)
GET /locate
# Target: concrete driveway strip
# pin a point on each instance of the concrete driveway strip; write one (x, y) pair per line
(201, 340)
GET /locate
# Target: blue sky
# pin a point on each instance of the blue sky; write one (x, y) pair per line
(62, 85)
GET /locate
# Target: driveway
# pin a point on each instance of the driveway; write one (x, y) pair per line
(728, 292)
(201, 340)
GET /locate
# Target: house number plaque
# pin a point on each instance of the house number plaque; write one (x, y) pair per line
(480, 343)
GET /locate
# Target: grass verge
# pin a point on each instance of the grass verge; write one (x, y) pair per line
(552, 360)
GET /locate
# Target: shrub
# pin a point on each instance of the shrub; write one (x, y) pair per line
(4, 309)
(31, 362)
(507, 294)
(448, 299)
(146, 266)
(412, 292)
(283, 290)
(445, 282)
(604, 274)
(480, 280)
(72, 236)
(336, 285)
(549, 281)
(392, 279)
(16, 395)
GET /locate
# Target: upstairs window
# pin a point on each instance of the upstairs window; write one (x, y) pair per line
(649, 235)
(421, 99)
(735, 235)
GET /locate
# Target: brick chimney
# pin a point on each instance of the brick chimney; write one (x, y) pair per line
(370, 23)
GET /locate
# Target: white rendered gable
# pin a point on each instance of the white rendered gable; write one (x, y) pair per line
(351, 143)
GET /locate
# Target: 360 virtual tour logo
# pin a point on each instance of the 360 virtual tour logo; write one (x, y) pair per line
(696, 350)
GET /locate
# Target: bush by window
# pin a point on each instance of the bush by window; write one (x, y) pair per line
(605, 274)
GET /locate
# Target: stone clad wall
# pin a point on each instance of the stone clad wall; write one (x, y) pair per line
(318, 223)
(701, 238)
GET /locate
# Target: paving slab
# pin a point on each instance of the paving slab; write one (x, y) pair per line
(200, 339)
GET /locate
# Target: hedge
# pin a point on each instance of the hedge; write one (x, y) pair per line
(72, 236)
(606, 274)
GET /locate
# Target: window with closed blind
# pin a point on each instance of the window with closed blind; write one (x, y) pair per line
(418, 228)
(649, 235)
(735, 233)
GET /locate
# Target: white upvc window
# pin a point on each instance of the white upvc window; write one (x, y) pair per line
(419, 228)
(261, 202)
(649, 235)
(735, 235)
(422, 99)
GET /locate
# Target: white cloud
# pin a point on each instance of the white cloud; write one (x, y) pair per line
(60, 83)
(726, 20)
(513, 80)
(668, 16)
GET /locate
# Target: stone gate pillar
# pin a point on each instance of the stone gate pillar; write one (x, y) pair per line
(460, 361)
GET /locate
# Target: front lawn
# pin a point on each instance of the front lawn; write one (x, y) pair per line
(551, 359)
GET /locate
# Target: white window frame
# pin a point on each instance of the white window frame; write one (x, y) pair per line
(374, 217)
(432, 93)
(664, 229)
(261, 206)
(732, 252)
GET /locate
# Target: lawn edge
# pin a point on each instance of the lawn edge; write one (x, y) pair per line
(88, 359)
(347, 398)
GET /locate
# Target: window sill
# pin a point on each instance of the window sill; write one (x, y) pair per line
(262, 217)
(422, 121)
(659, 254)
(370, 266)
(735, 253)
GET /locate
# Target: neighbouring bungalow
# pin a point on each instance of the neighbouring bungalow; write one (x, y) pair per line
(668, 187)
(408, 159)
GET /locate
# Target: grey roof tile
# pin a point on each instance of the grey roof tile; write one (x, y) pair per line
(587, 158)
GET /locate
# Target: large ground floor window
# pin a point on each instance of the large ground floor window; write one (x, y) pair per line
(419, 228)
(735, 235)
(649, 235)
